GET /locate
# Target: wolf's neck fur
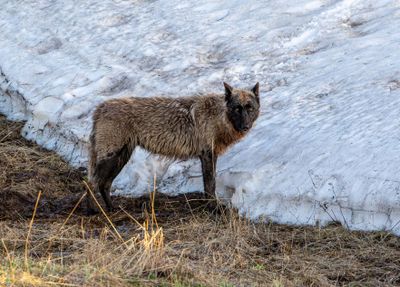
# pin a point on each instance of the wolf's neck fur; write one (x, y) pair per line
(216, 129)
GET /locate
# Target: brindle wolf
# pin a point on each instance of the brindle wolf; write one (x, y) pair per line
(180, 128)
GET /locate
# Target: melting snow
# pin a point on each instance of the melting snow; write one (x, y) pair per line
(327, 144)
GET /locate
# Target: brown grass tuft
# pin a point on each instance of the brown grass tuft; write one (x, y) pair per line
(162, 241)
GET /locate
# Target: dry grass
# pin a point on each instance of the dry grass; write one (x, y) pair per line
(162, 241)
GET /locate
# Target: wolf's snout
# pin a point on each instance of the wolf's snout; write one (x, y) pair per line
(246, 128)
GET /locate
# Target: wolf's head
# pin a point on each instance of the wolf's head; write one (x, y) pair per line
(243, 106)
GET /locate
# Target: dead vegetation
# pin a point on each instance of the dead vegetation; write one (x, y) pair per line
(162, 241)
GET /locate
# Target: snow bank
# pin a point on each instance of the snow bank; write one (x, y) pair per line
(327, 144)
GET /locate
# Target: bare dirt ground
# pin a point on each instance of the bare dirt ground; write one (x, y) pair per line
(162, 241)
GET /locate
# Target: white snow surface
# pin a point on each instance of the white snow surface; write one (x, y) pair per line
(326, 145)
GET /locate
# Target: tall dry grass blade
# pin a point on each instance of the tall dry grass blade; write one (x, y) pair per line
(8, 258)
(151, 238)
(153, 197)
(72, 211)
(189, 206)
(82, 229)
(65, 221)
(6, 136)
(104, 213)
(131, 217)
(30, 229)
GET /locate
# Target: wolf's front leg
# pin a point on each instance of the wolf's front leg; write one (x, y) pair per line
(208, 165)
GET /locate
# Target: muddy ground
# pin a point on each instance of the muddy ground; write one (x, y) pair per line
(168, 241)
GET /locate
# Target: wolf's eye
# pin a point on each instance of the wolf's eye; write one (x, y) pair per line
(249, 108)
(238, 109)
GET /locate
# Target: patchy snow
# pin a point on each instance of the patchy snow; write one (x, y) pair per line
(327, 144)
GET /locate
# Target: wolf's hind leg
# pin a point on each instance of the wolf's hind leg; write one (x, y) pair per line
(107, 169)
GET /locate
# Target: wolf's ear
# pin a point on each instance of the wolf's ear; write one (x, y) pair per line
(228, 92)
(256, 91)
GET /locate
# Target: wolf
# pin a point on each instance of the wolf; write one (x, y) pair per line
(201, 126)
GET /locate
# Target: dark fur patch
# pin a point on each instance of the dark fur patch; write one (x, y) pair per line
(243, 108)
(107, 169)
(208, 164)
